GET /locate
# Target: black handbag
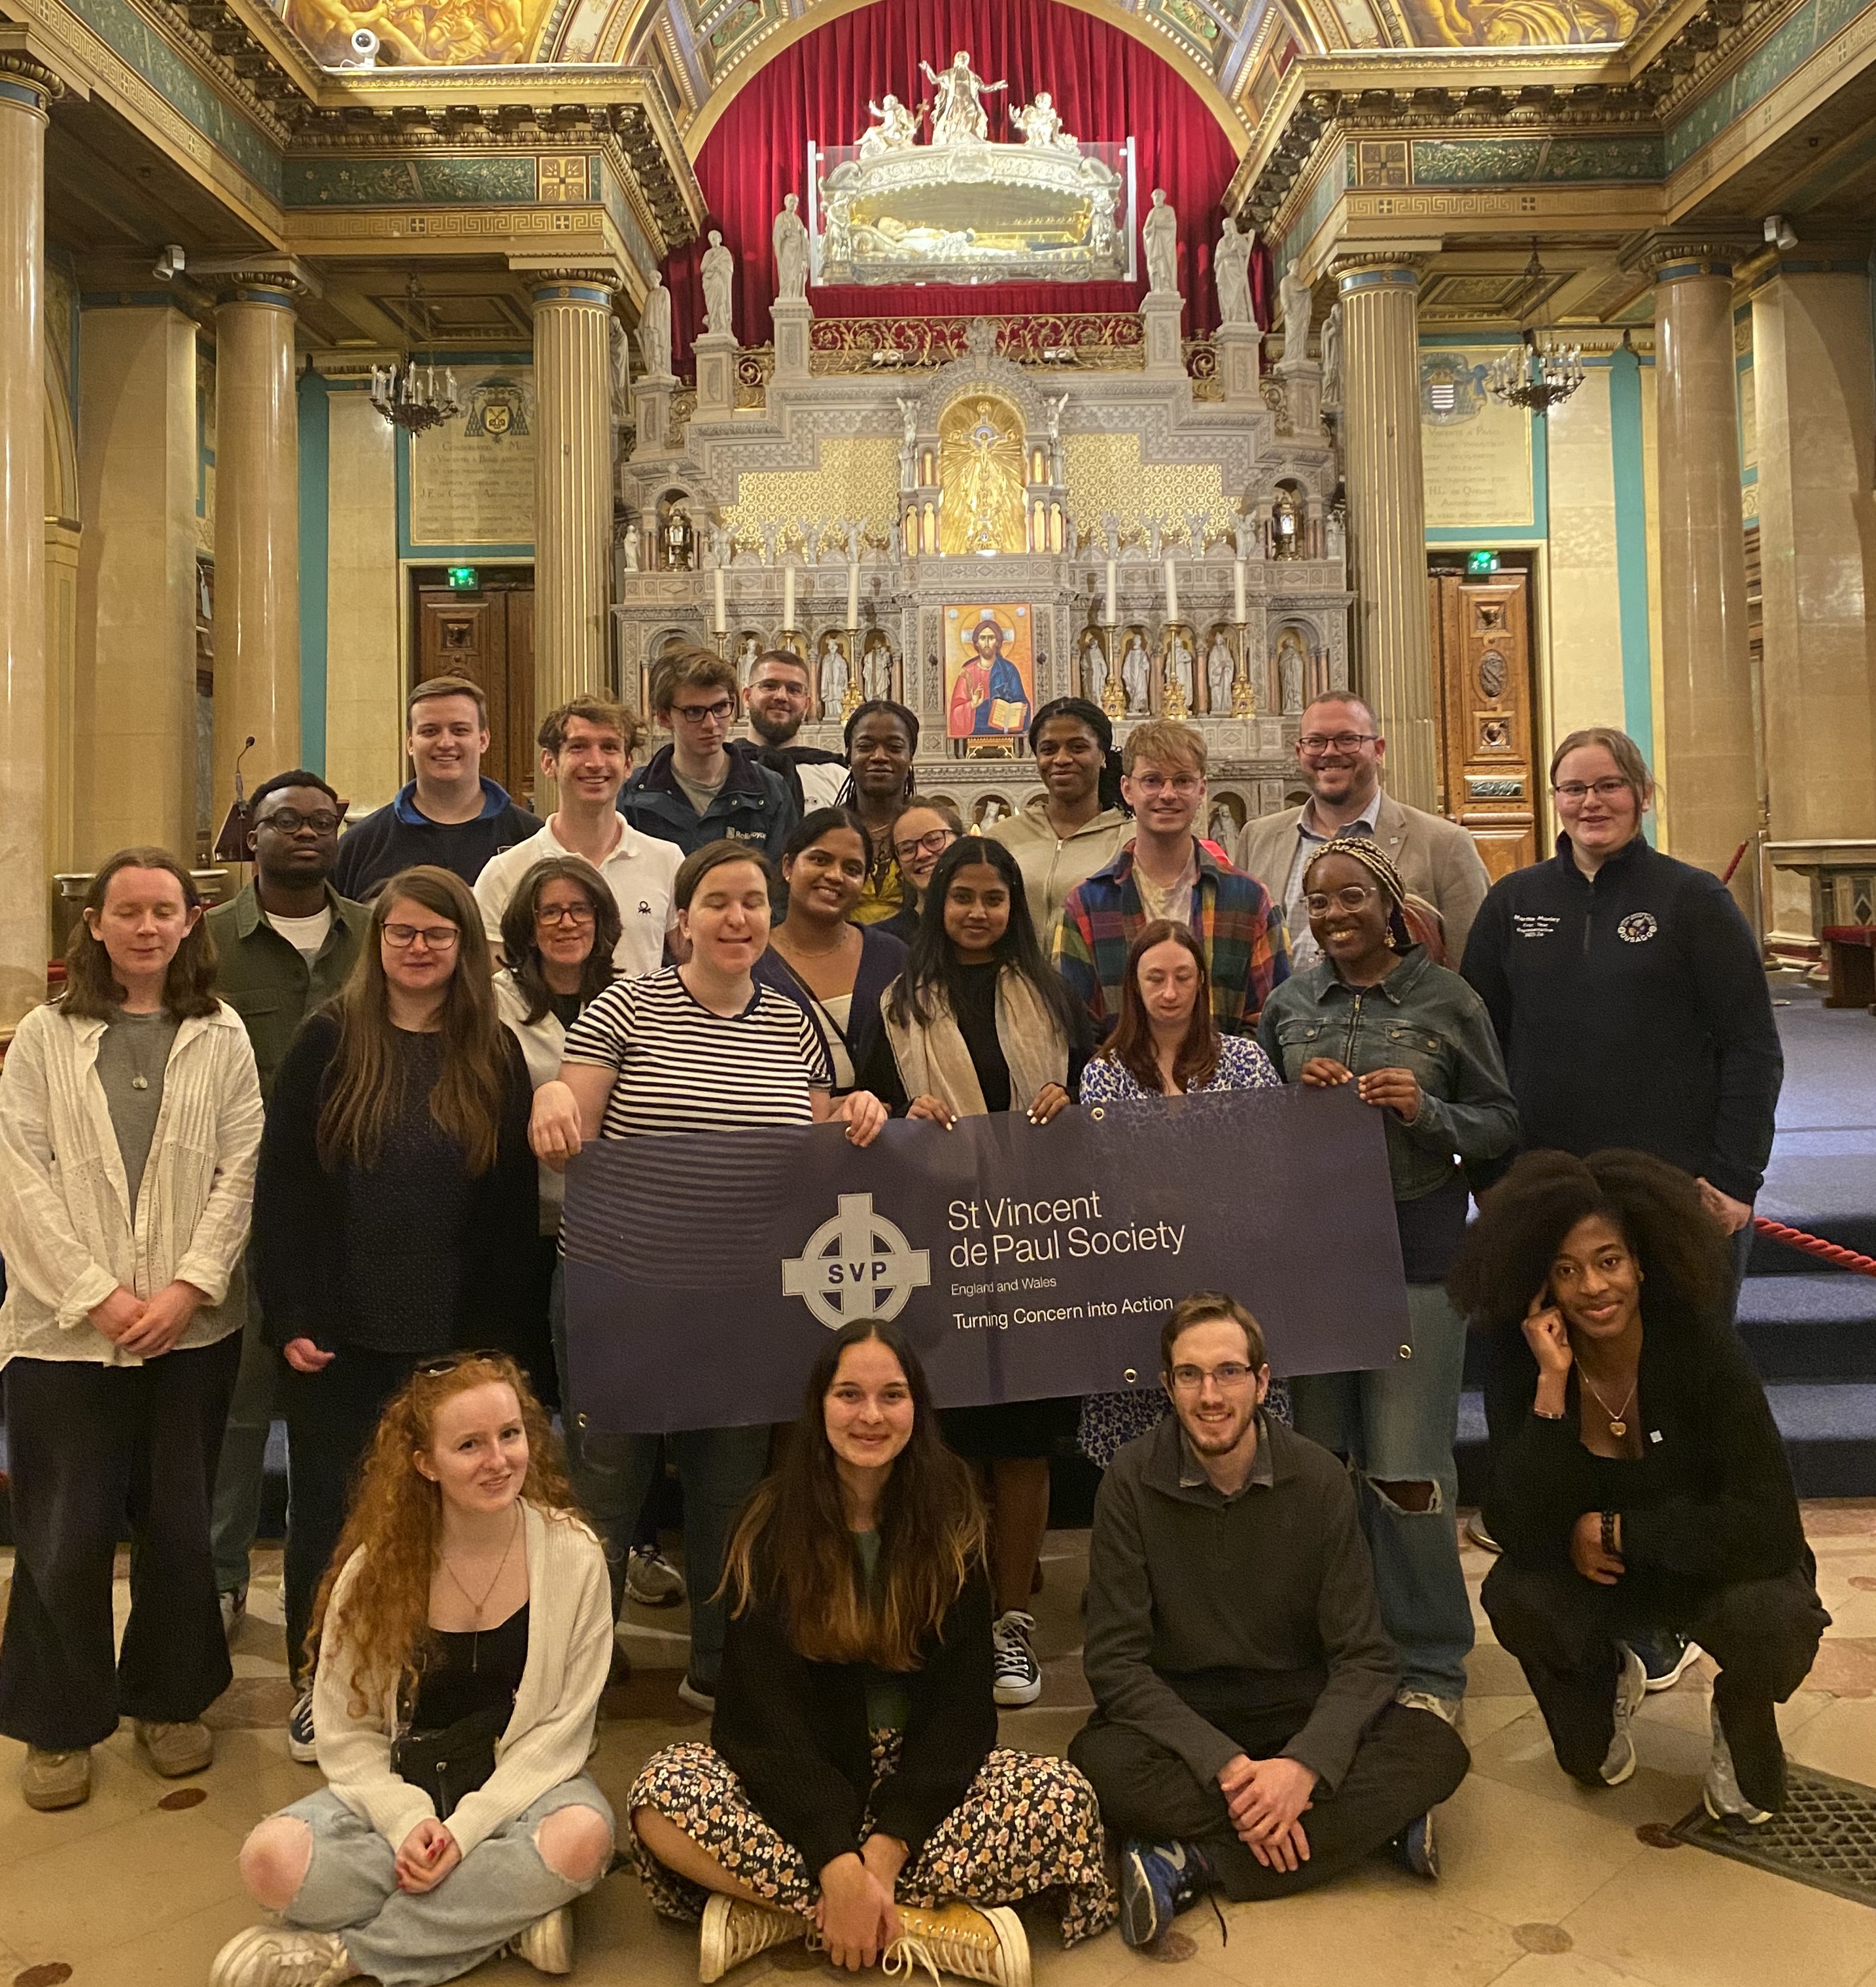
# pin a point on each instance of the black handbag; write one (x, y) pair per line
(451, 1764)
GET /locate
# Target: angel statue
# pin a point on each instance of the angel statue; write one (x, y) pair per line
(958, 113)
(1040, 124)
(897, 128)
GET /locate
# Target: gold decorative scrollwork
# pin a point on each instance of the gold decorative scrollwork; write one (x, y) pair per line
(754, 365)
(1102, 340)
(1201, 369)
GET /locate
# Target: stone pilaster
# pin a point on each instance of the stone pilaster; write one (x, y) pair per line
(789, 317)
(1160, 316)
(1387, 508)
(25, 88)
(715, 353)
(1237, 346)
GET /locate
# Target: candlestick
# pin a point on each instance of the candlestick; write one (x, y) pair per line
(720, 624)
(1172, 591)
(1110, 616)
(788, 596)
(853, 594)
(1237, 591)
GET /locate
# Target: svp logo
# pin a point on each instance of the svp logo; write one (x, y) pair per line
(858, 1265)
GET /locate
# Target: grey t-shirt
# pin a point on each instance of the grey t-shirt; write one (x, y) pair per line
(701, 797)
(133, 1052)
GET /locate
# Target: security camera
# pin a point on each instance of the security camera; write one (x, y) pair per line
(171, 262)
(364, 50)
(1779, 232)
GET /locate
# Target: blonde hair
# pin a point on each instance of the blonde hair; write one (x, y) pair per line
(1620, 747)
(1165, 743)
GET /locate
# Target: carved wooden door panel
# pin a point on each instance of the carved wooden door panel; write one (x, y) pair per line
(1485, 710)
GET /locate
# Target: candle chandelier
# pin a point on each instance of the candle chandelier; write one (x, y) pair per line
(412, 396)
(1540, 371)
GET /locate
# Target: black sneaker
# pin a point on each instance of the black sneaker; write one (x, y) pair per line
(1665, 1655)
(299, 1731)
(1158, 1881)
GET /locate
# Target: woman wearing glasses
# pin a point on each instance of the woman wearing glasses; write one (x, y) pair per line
(397, 1207)
(1414, 1040)
(923, 829)
(834, 970)
(1077, 823)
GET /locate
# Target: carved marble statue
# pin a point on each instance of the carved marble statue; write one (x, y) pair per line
(1290, 661)
(957, 112)
(746, 659)
(1095, 667)
(1180, 669)
(1040, 124)
(833, 675)
(1219, 669)
(789, 239)
(619, 354)
(1297, 304)
(718, 271)
(1136, 676)
(1159, 236)
(1332, 356)
(628, 547)
(1231, 271)
(876, 669)
(655, 330)
(898, 128)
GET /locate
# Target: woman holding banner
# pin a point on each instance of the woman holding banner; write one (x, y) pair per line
(1167, 1045)
(1417, 1042)
(853, 1786)
(980, 1022)
(697, 1048)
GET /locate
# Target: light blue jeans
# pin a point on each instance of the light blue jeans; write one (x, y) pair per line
(498, 1889)
(1397, 1425)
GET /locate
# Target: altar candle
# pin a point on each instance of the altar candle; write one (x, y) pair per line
(1172, 593)
(720, 624)
(853, 594)
(788, 596)
(1237, 591)
(1110, 613)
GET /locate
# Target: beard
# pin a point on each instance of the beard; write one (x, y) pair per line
(773, 730)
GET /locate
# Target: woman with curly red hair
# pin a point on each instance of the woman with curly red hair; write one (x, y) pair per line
(463, 1634)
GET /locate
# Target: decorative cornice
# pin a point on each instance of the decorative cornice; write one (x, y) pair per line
(1668, 258)
(1378, 263)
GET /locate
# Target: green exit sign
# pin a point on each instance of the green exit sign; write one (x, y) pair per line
(1479, 564)
(465, 576)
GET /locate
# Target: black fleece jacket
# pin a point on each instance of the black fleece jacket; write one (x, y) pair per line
(795, 1733)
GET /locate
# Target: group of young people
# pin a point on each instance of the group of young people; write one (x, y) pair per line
(379, 1058)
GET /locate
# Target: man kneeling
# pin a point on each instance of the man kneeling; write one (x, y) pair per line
(1242, 1681)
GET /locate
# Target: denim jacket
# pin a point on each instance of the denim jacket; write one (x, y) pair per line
(1420, 1018)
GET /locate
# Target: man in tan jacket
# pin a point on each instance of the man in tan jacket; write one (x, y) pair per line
(1340, 751)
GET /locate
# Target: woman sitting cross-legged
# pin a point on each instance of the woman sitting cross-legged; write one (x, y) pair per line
(853, 1790)
(463, 1632)
(1637, 1481)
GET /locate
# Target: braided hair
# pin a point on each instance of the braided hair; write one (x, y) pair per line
(1359, 848)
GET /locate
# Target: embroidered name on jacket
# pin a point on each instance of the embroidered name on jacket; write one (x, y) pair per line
(1526, 927)
(1638, 927)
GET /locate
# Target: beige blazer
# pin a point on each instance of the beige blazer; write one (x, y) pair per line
(1437, 858)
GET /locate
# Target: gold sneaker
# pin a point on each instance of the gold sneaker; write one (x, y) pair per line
(176, 1751)
(56, 1780)
(547, 1944)
(984, 1943)
(734, 1930)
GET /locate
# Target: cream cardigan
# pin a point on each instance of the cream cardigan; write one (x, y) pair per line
(548, 1737)
(67, 1228)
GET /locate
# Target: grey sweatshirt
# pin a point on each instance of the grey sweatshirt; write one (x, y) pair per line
(1275, 1580)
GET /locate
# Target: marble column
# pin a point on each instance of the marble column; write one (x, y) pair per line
(1706, 758)
(1387, 510)
(1816, 418)
(257, 532)
(25, 88)
(573, 482)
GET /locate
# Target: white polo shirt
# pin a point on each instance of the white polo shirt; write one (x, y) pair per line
(639, 871)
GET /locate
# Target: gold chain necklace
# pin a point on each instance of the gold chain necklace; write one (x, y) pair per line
(1619, 1424)
(475, 1647)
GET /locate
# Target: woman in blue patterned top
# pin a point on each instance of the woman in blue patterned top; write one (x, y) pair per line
(1167, 1045)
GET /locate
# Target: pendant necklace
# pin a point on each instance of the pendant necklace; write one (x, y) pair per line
(1619, 1425)
(139, 1079)
(475, 1647)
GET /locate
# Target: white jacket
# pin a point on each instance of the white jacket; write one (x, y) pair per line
(543, 1044)
(550, 1734)
(67, 1229)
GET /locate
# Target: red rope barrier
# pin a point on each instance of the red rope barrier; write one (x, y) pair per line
(1815, 1245)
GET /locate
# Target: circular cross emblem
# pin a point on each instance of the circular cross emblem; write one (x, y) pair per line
(1638, 928)
(858, 1265)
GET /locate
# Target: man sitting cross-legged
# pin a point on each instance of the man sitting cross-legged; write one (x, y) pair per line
(1245, 1736)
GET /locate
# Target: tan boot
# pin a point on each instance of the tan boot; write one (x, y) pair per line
(547, 1944)
(985, 1943)
(176, 1750)
(734, 1930)
(56, 1780)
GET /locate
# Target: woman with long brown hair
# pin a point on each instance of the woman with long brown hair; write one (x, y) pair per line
(129, 1114)
(462, 1636)
(853, 1784)
(396, 1209)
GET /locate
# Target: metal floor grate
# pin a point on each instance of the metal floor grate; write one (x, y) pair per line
(1825, 1837)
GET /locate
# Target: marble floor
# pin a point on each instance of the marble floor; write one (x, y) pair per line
(1546, 1885)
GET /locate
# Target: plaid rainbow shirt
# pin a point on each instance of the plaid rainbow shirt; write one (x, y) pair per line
(1239, 927)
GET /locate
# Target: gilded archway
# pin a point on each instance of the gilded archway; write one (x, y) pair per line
(981, 462)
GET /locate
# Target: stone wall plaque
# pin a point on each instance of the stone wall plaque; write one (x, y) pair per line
(472, 478)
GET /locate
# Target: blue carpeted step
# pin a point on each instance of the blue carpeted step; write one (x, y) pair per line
(1810, 1327)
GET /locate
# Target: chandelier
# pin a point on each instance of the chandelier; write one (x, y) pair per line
(1540, 372)
(409, 397)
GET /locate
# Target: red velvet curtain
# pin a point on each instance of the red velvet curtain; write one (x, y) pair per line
(1107, 86)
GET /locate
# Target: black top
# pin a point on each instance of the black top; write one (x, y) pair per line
(1709, 1498)
(976, 1022)
(412, 1255)
(565, 1007)
(1633, 1011)
(471, 1671)
(396, 837)
(795, 1733)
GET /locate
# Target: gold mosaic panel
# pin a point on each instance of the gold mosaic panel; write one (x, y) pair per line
(1104, 473)
(858, 477)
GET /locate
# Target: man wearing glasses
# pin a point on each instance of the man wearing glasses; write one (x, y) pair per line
(1165, 872)
(777, 701)
(285, 945)
(704, 787)
(1340, 752)
(1245, 1737)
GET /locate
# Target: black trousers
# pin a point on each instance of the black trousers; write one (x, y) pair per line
(1763, 1633)
(95, 1449)
(1408, 1762)
(331, 1418)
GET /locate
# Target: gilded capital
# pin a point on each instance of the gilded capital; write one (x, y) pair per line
(1669, 259)
(592, 287)
(1360, 268)
(26, 73)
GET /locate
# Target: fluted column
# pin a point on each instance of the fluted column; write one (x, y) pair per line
(1706, 756)
(25, 88)
(1387, 509)
(573, 481)
(257, 531)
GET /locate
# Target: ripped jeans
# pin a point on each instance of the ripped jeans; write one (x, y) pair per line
(1397, 1426)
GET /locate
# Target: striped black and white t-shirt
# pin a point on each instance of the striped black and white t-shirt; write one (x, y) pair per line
(682, 1068)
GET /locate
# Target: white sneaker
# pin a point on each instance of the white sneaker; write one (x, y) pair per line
(1721, 1794)
(271, 1956)
(547, 1944)
(233, 1611)
(1444, 1708)
(651, 1580)
(1631, 1687)
(1019, 1675)
(300, 1742)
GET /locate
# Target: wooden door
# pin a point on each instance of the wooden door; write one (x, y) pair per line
(1485, 711)
(488, 636)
